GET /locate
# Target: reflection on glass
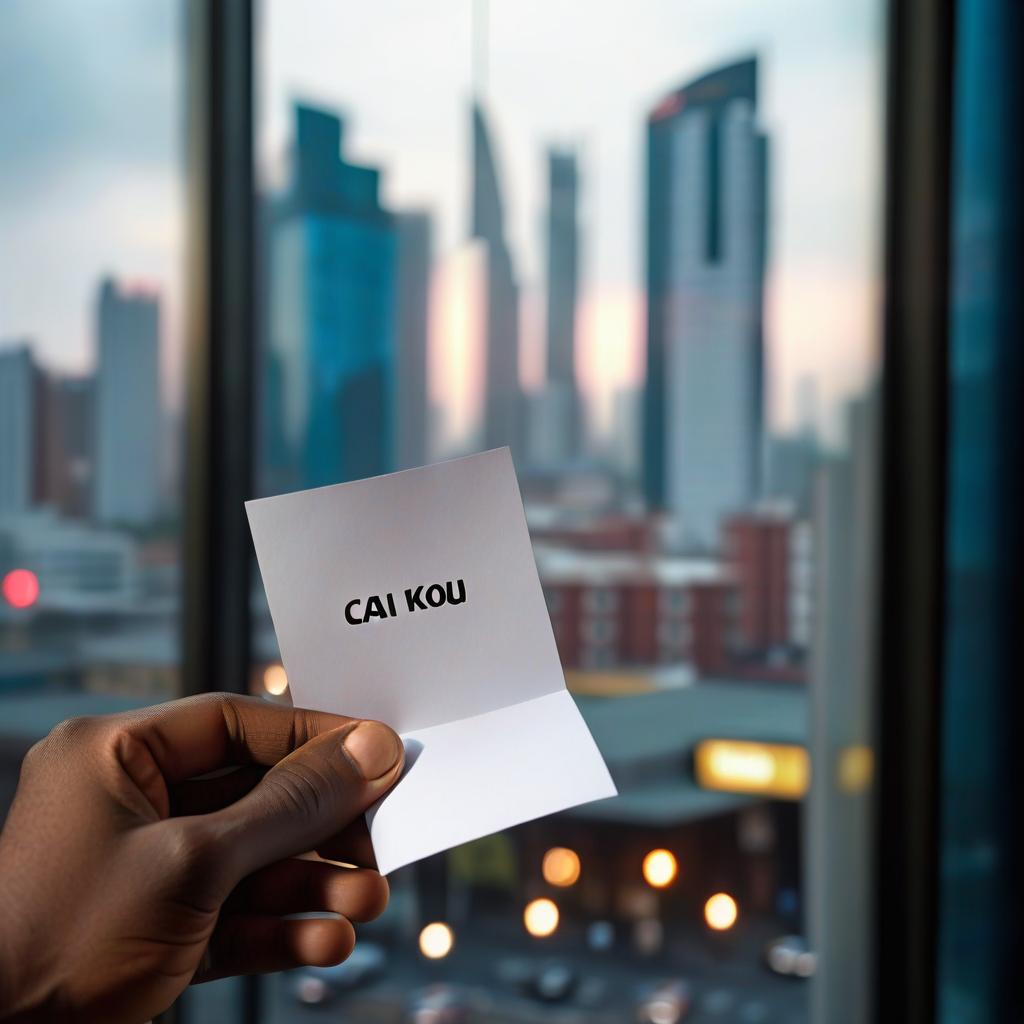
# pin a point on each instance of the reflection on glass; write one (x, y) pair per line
(641, 255)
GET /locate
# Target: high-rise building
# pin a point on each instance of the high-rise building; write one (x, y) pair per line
(18, 428)
(67, 444)
(706, 225)
(412, 435)
(502, 394)
(329, 385)
(562, 244)
(128, 416)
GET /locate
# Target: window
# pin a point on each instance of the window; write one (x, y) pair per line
(638, 245)
(91, 353)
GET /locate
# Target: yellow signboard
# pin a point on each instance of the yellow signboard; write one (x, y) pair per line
(780, 770)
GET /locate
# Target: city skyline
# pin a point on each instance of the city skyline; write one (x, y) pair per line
(824, 200)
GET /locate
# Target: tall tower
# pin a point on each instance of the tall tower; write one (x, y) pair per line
(18, 428)
(329, 380)
(411, 427)
(563, 284)
(502, 394)
(127, 418)
(706, 228)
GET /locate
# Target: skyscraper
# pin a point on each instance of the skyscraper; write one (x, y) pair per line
(67, 444)
(329, 387)
(502, 394)
(706, 226)
(127, 419)
(18, 428)
(563, 282)
(411, 428)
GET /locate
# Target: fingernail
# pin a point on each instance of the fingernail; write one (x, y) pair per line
(374, 749)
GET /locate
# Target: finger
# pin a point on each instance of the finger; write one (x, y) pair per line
(307, 797)
(214, 730)
(303, 886)
(201, 796)
(352, 845)
(256, 944)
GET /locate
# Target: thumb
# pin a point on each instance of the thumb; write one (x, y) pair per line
(311, 794)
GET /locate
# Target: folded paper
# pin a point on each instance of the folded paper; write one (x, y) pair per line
(413, 598)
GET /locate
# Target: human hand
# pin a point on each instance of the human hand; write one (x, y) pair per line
(124, 877)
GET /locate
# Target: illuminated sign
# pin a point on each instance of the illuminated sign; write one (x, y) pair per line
(781, 770)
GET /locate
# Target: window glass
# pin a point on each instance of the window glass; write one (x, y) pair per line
(91, 199)
(639, 244)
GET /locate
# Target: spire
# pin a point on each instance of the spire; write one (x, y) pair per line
(480, 46)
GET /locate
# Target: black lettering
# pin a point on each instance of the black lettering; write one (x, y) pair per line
(391, 605)
(435, 595)
(412, 598)
(452, 599)
(348, 613)
(374, 609)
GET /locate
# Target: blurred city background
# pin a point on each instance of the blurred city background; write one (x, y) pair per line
(640, 245)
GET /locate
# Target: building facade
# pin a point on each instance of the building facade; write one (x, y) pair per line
(328, 397)
(18, 428)
(503, 398)
(128, 409)
(412, 433)
(706, 227)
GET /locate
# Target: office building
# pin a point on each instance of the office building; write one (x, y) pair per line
(562, 246)
(18, 428)
(128, 416)
(503, 399)
(412, 434)
(706, 213)
(67, 444)
(329, 384)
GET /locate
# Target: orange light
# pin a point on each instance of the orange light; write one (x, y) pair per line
(720, 912)
(275, 680)
(660, 869)
(436, 941)
(561, 867)
(541, 917)
(781, 770)
(21, 588)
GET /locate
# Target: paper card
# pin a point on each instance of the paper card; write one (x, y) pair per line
(413, 598)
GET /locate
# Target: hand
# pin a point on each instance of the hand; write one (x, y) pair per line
(125, 877)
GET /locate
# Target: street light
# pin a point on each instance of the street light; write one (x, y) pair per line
(660, 869)
(436, 941)
(720, 912)
(541, 918)
(561, 867)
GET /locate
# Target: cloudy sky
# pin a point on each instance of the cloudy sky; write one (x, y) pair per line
(91, 151)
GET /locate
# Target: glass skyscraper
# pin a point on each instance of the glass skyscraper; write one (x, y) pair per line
(706, 214)
(329, 388)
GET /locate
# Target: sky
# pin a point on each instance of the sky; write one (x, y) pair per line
(92, 140)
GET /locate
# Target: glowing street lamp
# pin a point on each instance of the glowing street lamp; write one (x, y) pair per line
(720, 912)
(660, 869)
(561, 867)
(541, 918)
(436, 941)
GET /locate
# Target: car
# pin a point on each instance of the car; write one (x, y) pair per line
(315, 986)
(439, 1004)
(790, 957)
(665, 1002)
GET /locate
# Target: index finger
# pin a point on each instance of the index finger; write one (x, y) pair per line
(200, 734)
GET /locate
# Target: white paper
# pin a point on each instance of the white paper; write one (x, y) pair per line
(474, 688)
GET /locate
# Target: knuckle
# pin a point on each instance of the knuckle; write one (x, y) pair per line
(301, 789)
